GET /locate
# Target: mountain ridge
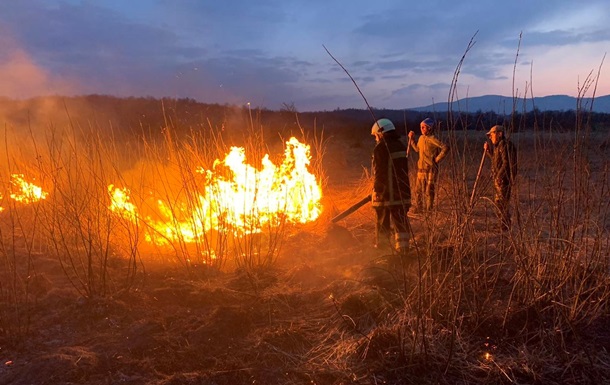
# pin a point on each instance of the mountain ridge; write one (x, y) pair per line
(504, 104)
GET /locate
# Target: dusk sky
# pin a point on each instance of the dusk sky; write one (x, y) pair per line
(401, 54)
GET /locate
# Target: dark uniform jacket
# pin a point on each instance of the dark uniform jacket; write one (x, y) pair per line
(390, 172)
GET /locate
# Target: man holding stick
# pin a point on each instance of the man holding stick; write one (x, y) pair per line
(503, 170)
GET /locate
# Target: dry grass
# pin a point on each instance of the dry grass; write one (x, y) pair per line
(84, 297)
(476, 303)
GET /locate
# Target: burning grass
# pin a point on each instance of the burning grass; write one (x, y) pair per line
(94, 288)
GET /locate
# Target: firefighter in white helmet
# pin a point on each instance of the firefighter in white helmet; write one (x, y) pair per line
(391, 196)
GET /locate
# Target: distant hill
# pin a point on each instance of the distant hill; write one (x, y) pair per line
(504, 104)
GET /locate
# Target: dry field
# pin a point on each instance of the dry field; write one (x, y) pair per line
(314, 303)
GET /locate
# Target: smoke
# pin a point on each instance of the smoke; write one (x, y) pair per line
(29, 113)
(21, 77)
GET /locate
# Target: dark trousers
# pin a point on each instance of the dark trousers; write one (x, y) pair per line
(502, 198)
(393, 219)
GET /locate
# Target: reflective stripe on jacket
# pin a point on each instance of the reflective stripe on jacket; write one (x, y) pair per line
(391, 172)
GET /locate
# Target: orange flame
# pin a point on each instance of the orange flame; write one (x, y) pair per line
(244, 202)
(25, 192)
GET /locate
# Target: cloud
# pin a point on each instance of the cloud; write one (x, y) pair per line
(224, 25)
(567, 37)
(240, 79)
(270, 52)
(91, 45)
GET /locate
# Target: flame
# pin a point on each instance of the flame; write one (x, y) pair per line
(235, 197)
(25, 192)
(120, 202)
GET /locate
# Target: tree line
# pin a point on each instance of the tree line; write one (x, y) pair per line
(128, 115)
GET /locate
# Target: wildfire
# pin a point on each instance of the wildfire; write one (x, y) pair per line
(120, 203)
(23, 191)
(234, 197)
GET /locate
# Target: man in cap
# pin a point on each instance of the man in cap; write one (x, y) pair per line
(391, 196)
(503, 170)
(431, 151)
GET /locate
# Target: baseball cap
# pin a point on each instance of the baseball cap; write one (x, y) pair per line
(496, 128)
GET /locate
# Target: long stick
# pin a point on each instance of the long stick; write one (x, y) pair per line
(407, 133)
(474, 188)
(353, 81)
(351, 209)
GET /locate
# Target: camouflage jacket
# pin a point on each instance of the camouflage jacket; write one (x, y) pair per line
(503, 162)
(431, 151)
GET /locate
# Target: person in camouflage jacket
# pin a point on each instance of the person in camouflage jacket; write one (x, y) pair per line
(503, 169)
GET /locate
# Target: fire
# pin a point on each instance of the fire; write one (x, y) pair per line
(120, 203)
(25, 192)
(235, 197)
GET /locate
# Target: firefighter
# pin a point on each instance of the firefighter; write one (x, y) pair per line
(431, 151)
(391, 196)
(503, 170)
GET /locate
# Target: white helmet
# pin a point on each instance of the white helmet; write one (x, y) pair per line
(381, 126)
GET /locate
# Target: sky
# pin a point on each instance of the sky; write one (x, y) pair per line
(277, 53)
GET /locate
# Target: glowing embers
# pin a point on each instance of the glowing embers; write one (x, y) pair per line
(233, 197)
